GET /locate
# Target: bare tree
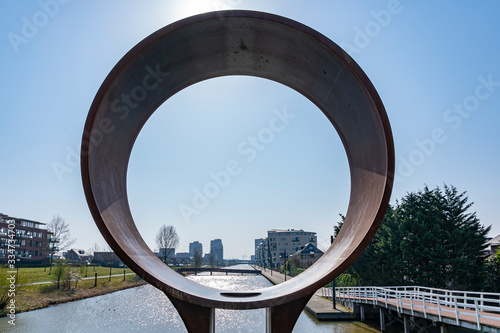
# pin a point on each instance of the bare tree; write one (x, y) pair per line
(92, 250)
(60, 270)
(167, 241)
(59, 237)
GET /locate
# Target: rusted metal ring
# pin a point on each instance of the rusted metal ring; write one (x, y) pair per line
(236, 43)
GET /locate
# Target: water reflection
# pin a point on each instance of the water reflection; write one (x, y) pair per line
(146, 309)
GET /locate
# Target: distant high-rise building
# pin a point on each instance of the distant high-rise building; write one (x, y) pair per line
(195, 246)
(217, 249)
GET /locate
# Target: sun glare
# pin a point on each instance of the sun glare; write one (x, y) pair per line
(193, 7)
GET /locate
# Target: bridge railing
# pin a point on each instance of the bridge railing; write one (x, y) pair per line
(474, 306)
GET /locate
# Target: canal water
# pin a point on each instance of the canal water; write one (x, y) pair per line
(146, 309)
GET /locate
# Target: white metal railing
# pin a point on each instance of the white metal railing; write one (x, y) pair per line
(441, 302)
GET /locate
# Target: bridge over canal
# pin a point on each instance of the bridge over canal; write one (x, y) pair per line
(417, 307)
(193, 270)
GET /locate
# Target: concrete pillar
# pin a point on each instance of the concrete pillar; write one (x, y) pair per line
(211, 327)
(444, 328)
(382, 319)
(362, 313)
(406, 324)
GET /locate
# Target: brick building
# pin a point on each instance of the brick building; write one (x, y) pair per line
(27, 238)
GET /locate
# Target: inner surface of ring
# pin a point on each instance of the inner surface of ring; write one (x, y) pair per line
(237, 43)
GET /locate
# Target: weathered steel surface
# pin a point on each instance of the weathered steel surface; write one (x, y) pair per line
(236, 43)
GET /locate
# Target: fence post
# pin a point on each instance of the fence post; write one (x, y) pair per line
(477, 315)
(456, 311)
(411, 304)
(334, 301)
(399, 307)
(95, 283)
(425, 310)
(438, 302)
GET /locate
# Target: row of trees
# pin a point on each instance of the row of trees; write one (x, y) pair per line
(428, 238)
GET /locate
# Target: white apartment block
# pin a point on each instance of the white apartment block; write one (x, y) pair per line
(284, 243)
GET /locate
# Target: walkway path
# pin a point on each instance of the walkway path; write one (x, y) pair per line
(85, 278)
(473, 310)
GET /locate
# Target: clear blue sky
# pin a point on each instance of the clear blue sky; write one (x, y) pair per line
(434, 64)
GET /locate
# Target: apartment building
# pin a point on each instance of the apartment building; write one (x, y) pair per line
(284, 243)
(262, 252)
(27, 238)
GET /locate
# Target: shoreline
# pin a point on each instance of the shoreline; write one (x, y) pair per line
(47, 299)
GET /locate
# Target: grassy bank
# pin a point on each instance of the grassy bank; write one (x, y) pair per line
(32, 297)
(40, 274)
(41, 296)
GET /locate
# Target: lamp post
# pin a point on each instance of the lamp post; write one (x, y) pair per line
(334, 300)
(284, 262)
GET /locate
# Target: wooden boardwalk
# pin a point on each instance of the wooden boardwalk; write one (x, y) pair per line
(473, 310)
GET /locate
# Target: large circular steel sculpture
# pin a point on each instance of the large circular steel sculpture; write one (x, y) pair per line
(236, 43)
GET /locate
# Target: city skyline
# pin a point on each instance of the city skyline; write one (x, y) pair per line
(233, 157)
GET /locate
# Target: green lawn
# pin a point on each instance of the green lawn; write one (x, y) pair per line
(38, 296)
(39, 274)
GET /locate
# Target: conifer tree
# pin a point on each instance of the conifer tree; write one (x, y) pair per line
(430, 239)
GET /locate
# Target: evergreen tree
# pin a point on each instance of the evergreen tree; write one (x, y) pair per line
(467, 242)
(492, 283)
(428, 239)
(197, 258)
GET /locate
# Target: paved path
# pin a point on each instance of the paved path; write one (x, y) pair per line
(85, 278)
(319, 307)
